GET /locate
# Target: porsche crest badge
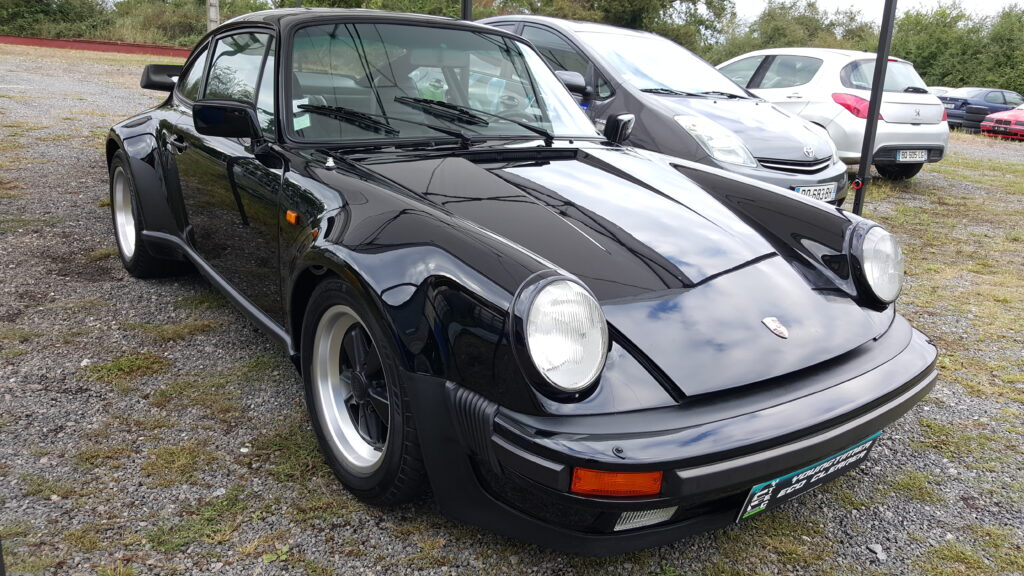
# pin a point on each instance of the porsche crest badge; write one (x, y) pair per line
(776, 327)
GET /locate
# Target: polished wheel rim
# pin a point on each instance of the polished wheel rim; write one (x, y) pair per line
(124, 217)
(351, 391)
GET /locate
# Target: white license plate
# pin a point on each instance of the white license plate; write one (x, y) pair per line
(912, 156)
(824, 192)
(950, 105)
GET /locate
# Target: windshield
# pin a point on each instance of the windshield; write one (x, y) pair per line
(898, 76)
(651, 62)
(360, 70)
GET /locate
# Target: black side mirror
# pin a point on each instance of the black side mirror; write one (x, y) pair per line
(617, 128)
(573, 81)
(161, 77)
(225, 118)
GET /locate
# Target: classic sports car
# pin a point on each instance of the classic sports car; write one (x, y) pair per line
(1007, 124)
(575, 343)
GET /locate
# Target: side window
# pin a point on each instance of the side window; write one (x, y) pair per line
(190, 81)
(790, 71)
(555, 51)
(236, 66)
(994, 97)
(265, 98)
(604, 89)
(741, 71)
(1013, 99)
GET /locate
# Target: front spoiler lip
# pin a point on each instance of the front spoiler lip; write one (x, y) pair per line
(722, 456)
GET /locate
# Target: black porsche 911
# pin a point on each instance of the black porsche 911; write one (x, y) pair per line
(572, 342)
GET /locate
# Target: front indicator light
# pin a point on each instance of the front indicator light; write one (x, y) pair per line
(641, 518)
(601, 483)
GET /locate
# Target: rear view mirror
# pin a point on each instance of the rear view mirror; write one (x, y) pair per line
(225, 118)
(161, 77)
(617, 128)
(573, 81)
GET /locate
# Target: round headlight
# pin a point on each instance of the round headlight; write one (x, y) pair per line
(567, 335)
(882, 261)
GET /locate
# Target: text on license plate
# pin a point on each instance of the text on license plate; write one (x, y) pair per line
(825, 192)
(774, 492)
(912, 156)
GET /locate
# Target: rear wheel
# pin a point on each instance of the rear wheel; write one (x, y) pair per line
(898, 171)
(126, 214)
(356, 399)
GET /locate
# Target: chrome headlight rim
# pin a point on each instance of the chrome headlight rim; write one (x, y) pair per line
(523, 303)
(862, 232)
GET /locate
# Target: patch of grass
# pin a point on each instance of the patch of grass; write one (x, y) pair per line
(776, 538)
(42, 487)
(208, 300)
(121, 371)
(96, 455)
(952, 559)
(101, 254)
(170, 465)
(17, 562)
(292, 452)
(175, 331)
(104, 203)
(86, 538)
(12, 352)
(216, 393)
(11, 333)
(1003, 176)
(18, 529)
(116, 570)
(322, 500)
(214, 521)
(10, 224)
(79, 304)
(1002, 547)
(916, 485)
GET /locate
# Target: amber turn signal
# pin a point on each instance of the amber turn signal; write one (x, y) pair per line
(292, 217)
(600, 483)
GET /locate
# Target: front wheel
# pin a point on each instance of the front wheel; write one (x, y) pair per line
(126, 214)
(898, 171)
(356, 400)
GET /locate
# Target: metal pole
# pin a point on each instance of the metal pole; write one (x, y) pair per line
(877, 89)
(467, 9)
(212, 14)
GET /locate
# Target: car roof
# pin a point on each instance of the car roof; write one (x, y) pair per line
(830, 53)
(297, 16)
(566, 25)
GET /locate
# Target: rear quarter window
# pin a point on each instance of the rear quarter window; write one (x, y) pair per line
(899, 76)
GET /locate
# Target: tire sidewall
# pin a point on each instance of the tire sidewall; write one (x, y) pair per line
(372, 486)
(121, 161)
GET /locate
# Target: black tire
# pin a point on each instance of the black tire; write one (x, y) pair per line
(399, 475)
(898, 171)
(135, 256)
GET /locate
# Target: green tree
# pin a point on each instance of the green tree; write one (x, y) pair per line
(945, 44)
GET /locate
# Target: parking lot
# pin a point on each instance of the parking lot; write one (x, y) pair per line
(147, 428)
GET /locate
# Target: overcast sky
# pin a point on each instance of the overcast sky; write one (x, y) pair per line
(750, 9)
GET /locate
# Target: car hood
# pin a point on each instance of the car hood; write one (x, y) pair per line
(682, 279)
(767, 131)
(1014, 114)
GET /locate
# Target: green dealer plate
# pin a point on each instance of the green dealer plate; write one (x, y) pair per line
(774, 492)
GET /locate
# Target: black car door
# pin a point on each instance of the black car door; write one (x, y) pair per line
(230, 198)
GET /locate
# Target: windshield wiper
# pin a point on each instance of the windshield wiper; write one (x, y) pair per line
(368, 121)
(915, 90)
(428, 105)
(442, 110)
(726, 94)
(668, 91)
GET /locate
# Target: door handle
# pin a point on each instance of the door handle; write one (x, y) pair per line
(795, 96)
(177, 143)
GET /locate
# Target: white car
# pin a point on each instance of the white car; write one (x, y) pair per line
(831, 88)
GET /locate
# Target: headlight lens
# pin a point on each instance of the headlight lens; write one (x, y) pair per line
(882, 260)
(721, 143)
(567, 335)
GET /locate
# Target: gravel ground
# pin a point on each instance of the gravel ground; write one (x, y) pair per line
(147, 428)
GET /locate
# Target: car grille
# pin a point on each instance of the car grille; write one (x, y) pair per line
(1002, 122)
(796, 166)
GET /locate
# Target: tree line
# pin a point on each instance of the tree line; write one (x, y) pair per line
(948, 45)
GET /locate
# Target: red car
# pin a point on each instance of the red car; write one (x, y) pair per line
(1006, 124)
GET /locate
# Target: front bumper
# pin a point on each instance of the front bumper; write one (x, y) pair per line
(834, 174)
(510, 472)
(1002, 131)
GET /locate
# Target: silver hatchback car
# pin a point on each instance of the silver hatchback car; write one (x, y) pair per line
(831, 88)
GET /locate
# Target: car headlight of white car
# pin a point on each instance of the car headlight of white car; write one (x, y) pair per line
(720, 142)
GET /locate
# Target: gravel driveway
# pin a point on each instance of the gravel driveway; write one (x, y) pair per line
(147, 428)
